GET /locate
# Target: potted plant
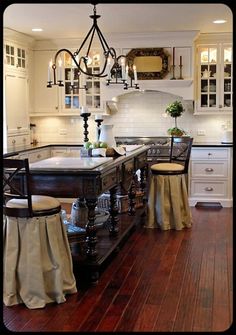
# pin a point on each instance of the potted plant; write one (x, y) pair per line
(175, 109)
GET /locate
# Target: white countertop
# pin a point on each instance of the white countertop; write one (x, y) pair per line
(60, 163)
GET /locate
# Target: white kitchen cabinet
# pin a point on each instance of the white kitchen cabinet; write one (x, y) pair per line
(211, 176)
(46, 100)
(214, 91)
(63, 100)
(65, 151)
(35, 155)
(15, 56)
(16, 103)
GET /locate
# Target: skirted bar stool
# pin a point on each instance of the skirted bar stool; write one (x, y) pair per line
(37, 262)
(168, 206)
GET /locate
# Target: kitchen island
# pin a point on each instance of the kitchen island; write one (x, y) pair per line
(87, 178)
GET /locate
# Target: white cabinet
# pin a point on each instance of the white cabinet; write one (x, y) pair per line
(46, 100)
(15, 56)
(67, 99)
(214, 91)
(16, 103)
(61, 151)
(35, 155)
(16, 125)
(211, 176)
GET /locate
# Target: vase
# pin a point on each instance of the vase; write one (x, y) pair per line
(106, 135)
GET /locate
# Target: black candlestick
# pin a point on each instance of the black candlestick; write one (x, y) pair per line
(85, 116)
(99, 122)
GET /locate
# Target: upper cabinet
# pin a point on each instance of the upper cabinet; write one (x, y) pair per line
(68, 98)
(214, 91)
(16, 125)
(14, 56)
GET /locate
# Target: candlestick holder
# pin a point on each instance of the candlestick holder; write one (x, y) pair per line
(126, 85)
(173, 72)
(180, 72)
(78, 87)
(99, 122)
(85, 116)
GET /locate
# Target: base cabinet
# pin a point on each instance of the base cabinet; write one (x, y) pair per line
(211, 176)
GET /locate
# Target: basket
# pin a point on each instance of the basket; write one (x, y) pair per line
(122, 201)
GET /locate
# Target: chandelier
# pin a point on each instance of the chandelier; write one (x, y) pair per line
(116, 73)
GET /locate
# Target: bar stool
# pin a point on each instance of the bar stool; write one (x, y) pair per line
(168, 206)
(37, 262)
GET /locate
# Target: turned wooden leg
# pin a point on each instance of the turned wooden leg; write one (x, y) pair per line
(143, 182)
(132, 194)
(91, 238)
(113, 228)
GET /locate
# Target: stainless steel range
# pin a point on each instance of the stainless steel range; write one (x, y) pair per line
(159, 150)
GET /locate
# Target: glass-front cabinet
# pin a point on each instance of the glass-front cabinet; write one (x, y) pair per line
(15, 56)
(75, 94)
(214, 78)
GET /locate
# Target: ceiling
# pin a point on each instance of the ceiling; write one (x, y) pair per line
(72, 20)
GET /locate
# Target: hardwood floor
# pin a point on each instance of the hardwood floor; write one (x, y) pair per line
(159, 281)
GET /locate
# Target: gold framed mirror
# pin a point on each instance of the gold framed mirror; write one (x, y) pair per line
(151, 63)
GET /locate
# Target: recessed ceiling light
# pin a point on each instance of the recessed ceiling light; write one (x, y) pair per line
(37, 29)
(219, 21)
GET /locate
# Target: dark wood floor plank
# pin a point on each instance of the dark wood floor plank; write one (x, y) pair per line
(158, 281)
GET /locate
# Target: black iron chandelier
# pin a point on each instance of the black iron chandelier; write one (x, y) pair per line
(116, 74)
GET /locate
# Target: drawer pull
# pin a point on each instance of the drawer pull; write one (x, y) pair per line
(209, 169)
(19, 127)
(208, 188)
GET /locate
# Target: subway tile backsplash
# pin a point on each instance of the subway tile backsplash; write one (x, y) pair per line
(136, 113)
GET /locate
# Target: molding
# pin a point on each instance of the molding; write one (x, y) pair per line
(17, 37)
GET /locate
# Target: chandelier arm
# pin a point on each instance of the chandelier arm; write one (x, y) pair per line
(87, 36)
(70, 53)
(112, 50)
(91, 40)
(104, 44)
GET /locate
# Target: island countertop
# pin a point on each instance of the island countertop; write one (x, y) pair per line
(16, 150)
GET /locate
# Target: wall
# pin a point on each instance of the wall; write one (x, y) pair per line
(134, 114)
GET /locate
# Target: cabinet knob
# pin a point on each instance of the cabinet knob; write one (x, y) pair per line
(208, 189)
(209, 153)
(209, 169)
(220, 106)
(24, 139)
(13, 141)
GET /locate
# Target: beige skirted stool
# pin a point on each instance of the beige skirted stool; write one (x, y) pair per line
(168, 206)
(37, 261)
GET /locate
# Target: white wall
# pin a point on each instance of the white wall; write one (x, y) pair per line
(136, 114)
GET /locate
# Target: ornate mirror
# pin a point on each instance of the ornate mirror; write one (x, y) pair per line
(151, 63)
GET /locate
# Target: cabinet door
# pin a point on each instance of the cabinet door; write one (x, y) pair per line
(46, 100)
(93, 94)
(15, 56)
(73, 82)
(214, 79)
(16, 103)
(208, 90)
(227, 75)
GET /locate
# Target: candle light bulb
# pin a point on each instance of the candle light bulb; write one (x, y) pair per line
(49, 70)
(126, 72)
(109, 68)
(135, 74)
(123, 69)
(60, 69)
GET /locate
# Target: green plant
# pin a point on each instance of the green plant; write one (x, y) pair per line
(175, 109)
